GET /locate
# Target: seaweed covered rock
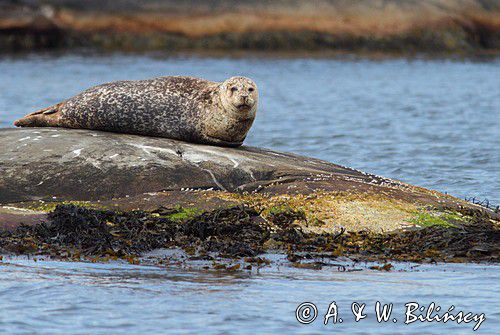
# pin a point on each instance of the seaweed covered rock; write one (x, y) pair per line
(69, 164)
(236, 231)
(242, 232)
(95, 232)
(43, 167)
(232, 232)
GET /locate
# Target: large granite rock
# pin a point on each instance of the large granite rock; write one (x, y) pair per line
(47, 163)
(125, 172)
(292, 203)
(68, 164)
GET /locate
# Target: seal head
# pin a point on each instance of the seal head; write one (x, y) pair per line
(238, 98)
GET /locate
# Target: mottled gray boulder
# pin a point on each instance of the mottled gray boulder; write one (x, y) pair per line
(127, 172)
(69, 164)
(42, 163)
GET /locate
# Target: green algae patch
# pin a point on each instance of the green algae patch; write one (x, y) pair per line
(178, 213)
(428, 220)
(447, 219)
(49, 206)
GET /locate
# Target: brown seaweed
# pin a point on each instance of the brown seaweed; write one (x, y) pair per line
(240, 232)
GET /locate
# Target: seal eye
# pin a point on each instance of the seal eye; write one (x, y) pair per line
(251, 89)
(234, 89)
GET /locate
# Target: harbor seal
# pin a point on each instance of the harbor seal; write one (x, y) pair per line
(182, 108)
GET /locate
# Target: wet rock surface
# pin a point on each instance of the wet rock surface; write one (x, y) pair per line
(68, 164)
(78, 193)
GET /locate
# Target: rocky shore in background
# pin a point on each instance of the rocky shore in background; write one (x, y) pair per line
(364, 25)
(79, 194)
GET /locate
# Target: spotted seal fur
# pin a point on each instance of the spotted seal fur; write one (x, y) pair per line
(177, 107)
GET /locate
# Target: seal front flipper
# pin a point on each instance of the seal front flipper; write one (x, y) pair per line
(222, 143)
(48, 117)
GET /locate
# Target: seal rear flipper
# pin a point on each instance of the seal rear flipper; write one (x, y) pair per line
(48, 117)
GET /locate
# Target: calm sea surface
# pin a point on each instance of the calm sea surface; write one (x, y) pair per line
(85, 298)
(434, 123)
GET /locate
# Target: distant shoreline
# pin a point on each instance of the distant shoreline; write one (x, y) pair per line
(394, 27)
(340, 55)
